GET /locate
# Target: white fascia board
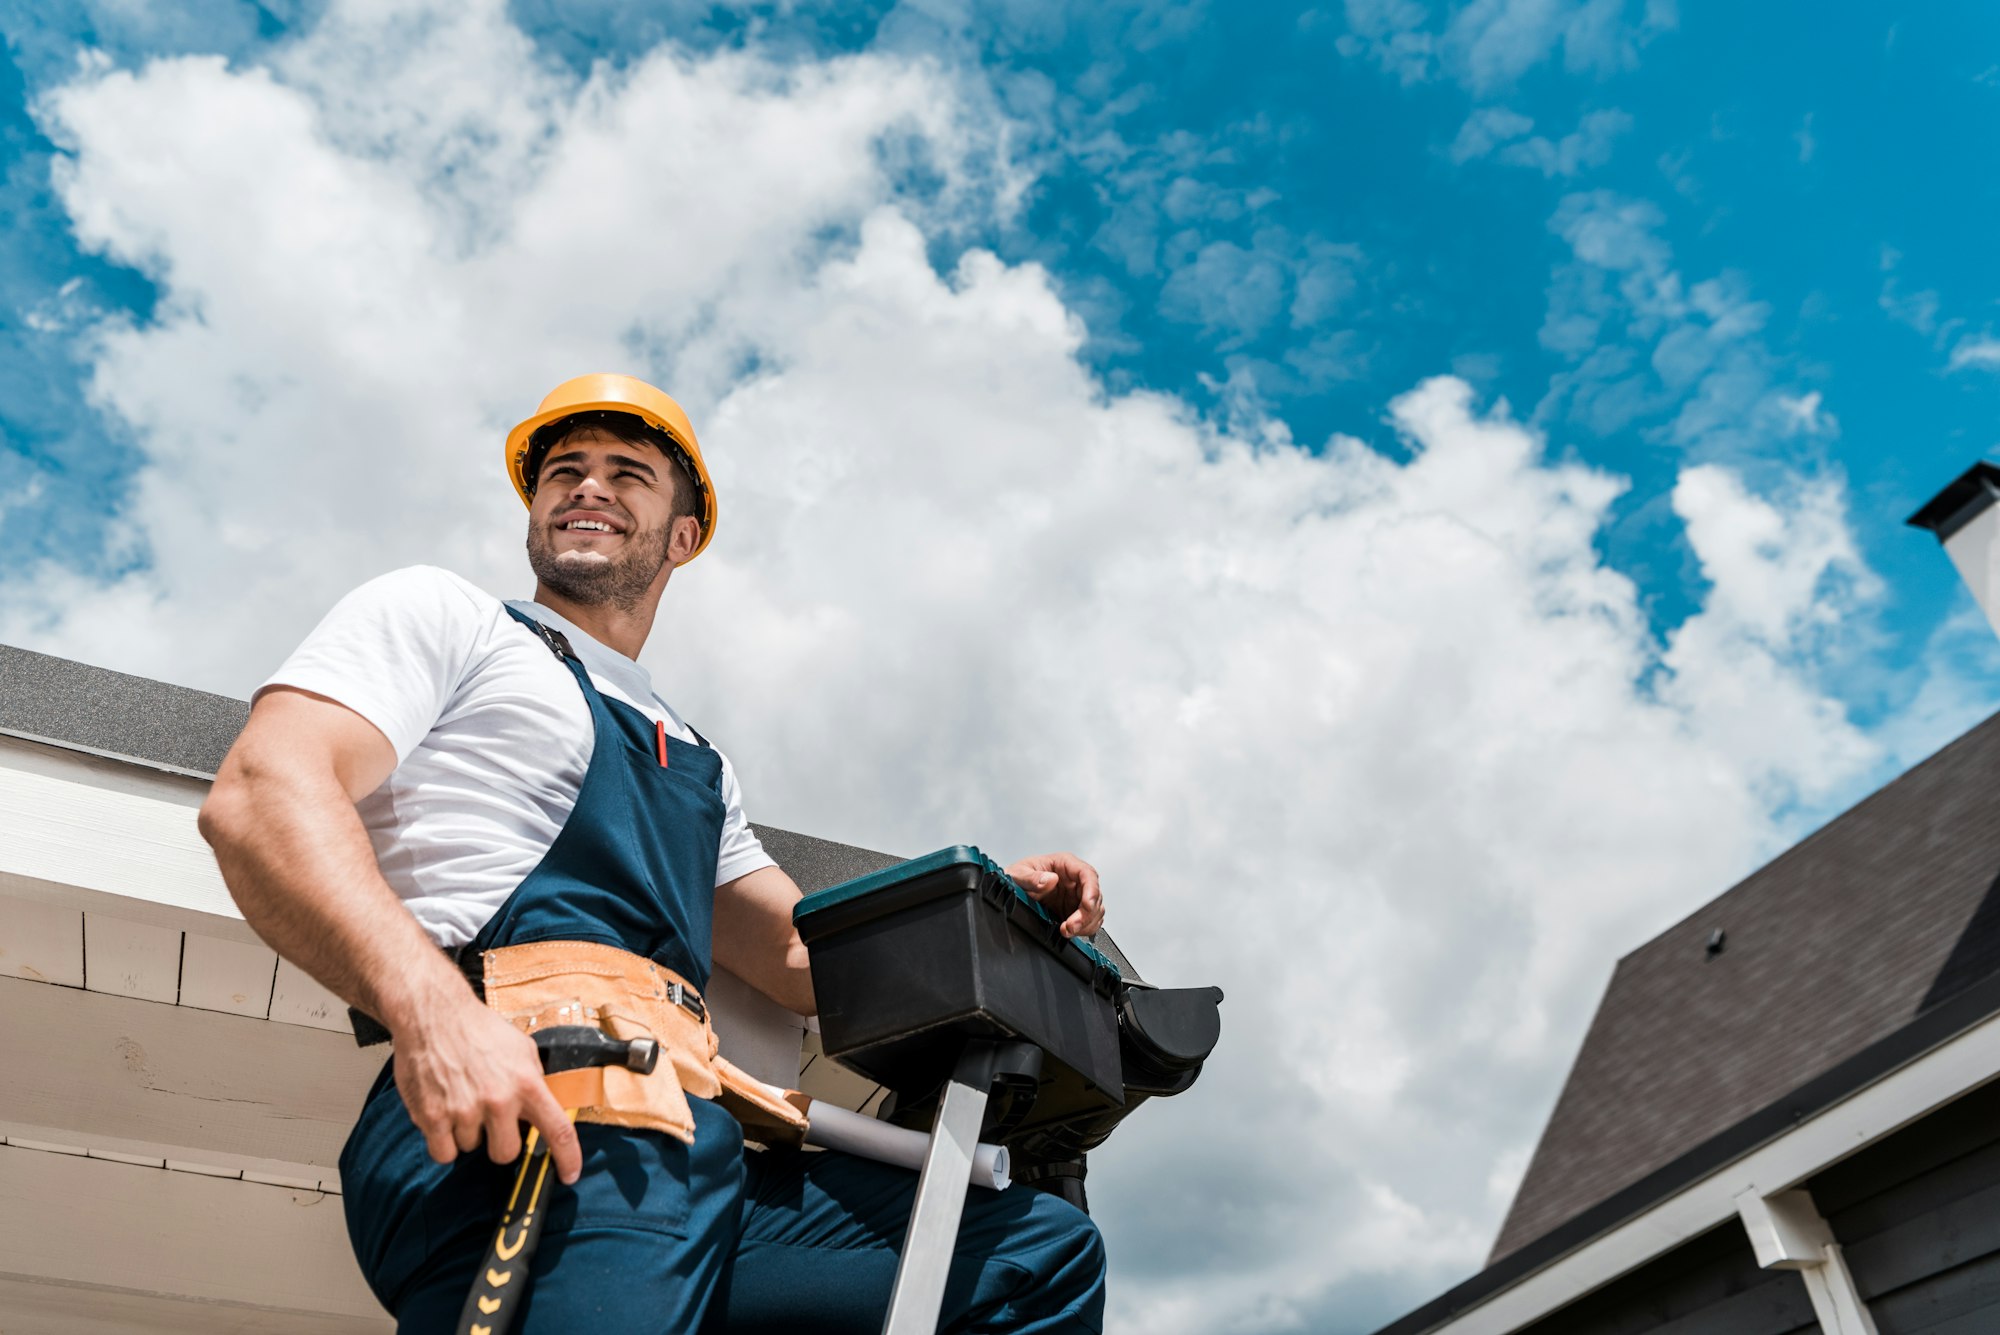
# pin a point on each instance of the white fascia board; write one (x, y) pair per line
(111, 837)
(116, 757)
(122, 1076)
(109, 773)
(118, 839)
(753, 1031)
(258, 1256)
(1948, 1071)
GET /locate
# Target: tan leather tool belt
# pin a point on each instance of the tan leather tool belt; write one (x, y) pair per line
(548, 983)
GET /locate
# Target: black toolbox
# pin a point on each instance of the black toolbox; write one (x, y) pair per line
(911, 961)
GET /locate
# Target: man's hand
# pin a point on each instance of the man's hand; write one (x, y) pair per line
(1066, 886)
(466, 1072)
(292, 849)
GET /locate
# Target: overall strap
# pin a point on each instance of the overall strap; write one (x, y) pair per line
(694, 731)
(558, 644)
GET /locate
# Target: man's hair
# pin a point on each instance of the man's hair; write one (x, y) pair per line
(626, 429)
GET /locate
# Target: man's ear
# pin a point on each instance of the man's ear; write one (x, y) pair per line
(685, 538)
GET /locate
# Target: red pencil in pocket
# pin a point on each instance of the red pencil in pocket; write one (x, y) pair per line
(660, 739)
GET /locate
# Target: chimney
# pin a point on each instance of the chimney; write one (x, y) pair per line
(1967, 522)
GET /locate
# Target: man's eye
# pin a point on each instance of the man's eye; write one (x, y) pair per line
(561, 470)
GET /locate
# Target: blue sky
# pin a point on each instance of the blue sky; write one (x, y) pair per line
(1107, 403)
(1205, 161)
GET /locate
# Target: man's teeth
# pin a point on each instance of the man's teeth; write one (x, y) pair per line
(594, 525)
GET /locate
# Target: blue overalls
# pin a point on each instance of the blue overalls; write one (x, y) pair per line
(658, 1237)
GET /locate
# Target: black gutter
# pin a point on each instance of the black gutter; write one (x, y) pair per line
(1929, 1030)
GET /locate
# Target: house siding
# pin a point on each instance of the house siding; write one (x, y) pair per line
(1709, 1286)
(1919, 1217)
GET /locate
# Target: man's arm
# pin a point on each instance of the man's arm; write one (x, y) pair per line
(755, 939)
(298, 862)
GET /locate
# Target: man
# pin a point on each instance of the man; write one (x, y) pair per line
(434, 768)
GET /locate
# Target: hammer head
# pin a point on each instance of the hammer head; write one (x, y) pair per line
(571, 1047)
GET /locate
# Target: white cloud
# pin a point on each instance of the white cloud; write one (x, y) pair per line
(1950, 689)
(1614, 233)
(1782, 580)
(1504, 134)
(1495, 42)
(1977, 352)
(1803, 416)
(1324, 279)
(1923, 311)
(1487, 45)
(1240, 292)
(1683, 360)
(1372, 738)
(1485, 130)
(1918, 310)
(1228, 288)
(1391, 34)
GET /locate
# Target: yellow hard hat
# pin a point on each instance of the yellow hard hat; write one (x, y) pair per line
(618, 394)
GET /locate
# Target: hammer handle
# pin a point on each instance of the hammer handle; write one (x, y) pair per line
(495, 1298)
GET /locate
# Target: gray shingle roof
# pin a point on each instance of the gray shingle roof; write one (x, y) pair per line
(93, 709)
(1869, 943)
(1883, 915)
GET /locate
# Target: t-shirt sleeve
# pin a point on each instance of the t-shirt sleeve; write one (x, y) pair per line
(393, 651)
(740, 853)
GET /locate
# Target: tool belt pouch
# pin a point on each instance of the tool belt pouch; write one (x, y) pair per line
(772, 1117)
(546, 983)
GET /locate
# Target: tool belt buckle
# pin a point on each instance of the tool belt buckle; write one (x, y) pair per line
(680, 994)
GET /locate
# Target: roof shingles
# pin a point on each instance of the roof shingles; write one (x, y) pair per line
(1883, 913)
(93, 709)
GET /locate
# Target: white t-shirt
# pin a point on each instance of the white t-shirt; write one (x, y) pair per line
(492, 737)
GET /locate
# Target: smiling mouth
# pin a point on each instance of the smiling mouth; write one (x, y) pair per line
(586, 526)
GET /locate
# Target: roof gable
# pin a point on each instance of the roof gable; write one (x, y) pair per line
(1880, 916)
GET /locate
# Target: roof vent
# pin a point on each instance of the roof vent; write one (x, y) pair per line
(1717, 939)
(1965, 521)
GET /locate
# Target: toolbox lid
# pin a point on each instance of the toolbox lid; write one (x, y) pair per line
(904, 873)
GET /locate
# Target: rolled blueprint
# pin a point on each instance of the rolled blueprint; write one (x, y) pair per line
(835, 1128)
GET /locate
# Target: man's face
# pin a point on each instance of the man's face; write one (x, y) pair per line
(600, 527)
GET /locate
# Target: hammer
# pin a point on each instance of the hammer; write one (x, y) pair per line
(490, 1307)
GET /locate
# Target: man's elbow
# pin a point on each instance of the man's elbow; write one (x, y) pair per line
(799, 980)
(234, 810)
(222, 815)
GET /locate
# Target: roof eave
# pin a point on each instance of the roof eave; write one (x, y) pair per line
(1974, 1009)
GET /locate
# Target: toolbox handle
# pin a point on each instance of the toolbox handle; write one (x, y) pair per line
(1001, 892)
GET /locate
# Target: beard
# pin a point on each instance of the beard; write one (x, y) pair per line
(594, 579)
